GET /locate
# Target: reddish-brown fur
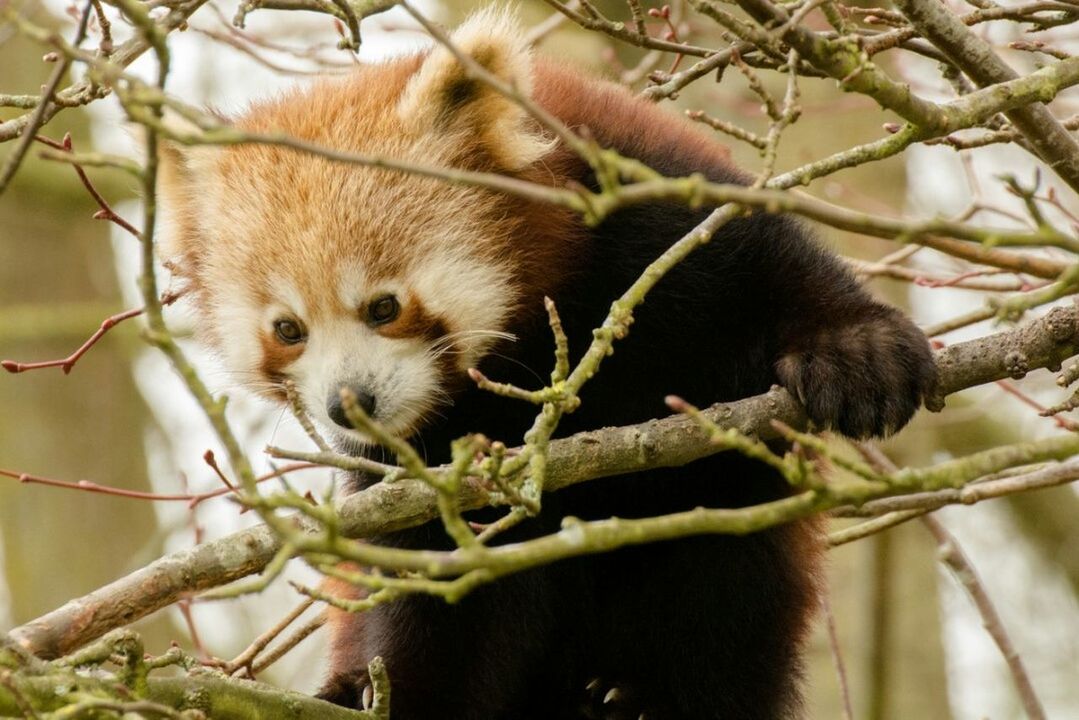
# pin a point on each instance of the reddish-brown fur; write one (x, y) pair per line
(706, 627)
(276, 356)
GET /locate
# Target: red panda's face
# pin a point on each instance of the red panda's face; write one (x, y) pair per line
(397, 337)
(340, 276)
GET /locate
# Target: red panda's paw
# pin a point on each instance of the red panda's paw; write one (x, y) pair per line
(609, 701)
(862, 379)
(346, 690)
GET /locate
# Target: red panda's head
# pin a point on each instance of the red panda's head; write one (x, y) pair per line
(336, 275)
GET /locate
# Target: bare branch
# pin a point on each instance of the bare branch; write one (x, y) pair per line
(976, 58)
(602, 453)
(40, 114)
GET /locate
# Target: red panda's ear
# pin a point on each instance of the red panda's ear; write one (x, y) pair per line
(443, 99)
(179, 188)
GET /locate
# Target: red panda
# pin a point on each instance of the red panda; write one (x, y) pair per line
(394, 285)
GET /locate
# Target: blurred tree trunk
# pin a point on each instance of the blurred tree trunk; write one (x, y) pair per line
(905, 671)
(888, 622)
(1049, 520)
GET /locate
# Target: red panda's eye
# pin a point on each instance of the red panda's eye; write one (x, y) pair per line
(289, 332)
(383, 310)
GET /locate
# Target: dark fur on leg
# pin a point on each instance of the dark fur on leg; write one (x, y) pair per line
(699, 628)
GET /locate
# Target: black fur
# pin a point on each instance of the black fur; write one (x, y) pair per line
(705, 627)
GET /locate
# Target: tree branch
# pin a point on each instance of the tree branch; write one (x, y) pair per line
(385, 507)
(215, 695)
(974, 56)
(88, 90)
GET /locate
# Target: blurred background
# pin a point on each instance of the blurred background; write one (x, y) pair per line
(912, 643)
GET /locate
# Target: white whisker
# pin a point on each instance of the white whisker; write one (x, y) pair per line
(456, 338)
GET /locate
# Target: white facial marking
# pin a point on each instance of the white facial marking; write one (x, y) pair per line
(402, 374)
(473, 296)
(346, 353)
(451, 274)
(238, 321)
(289, 299)
(352, 285)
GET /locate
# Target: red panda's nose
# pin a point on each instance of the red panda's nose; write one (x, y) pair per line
(337, 412)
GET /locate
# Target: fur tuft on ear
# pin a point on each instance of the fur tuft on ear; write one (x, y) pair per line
(175, 188)
(443, 99)
(181, 184)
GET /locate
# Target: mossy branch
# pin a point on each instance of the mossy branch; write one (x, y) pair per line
(672, 441)
(320, 533)
(196, 696)
(975, 57)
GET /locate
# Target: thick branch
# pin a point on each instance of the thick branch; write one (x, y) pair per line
(149, 588)
(976, 58)
(845, 62)
(1045, 343)
(217, 697)
(586, 456)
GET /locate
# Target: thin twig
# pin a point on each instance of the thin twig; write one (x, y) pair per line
(837, 656)
(288, 644)
(192, 499)
(106, 212)
(953, 557)
(300, 413)
(246, 658)
(184, 606)
(40, 115)
(67, 363)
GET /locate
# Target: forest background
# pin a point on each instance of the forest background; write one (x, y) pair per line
(910, 640)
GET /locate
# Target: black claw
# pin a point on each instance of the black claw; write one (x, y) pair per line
(349, 691)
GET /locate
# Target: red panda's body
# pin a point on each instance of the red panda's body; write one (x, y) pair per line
(704, 627)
